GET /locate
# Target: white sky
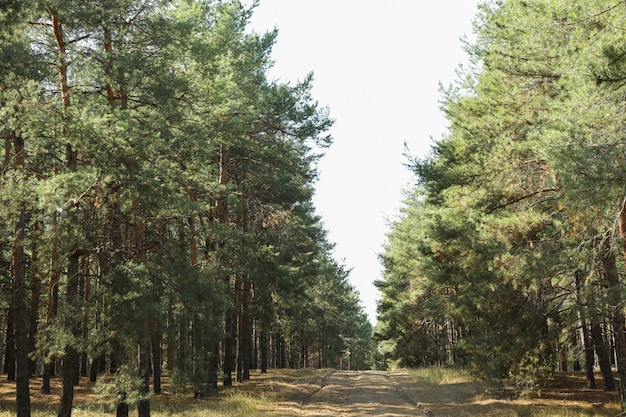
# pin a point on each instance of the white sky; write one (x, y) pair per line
(377, 67)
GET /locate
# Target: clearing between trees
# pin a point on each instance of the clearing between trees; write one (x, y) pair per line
(326, 393)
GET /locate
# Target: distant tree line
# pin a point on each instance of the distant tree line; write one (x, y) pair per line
(155, 204)
(509, 255)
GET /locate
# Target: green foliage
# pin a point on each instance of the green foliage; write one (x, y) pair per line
(123, 387)
(516, 199)
(168, 176)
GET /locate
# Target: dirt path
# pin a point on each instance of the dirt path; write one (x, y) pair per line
(356, 394)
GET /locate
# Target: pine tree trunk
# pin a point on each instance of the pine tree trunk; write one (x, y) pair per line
(283, 351)
(21, 322)
(84, 290)
(248, 349)
(265, 347)
(182, 342)
(245, 347)
(221, 208)
(71, 358)
(45, 378)
(35, 297)
(213, 368)
(303, 353)
(241, 330)
(588, 346)
(620, 350)
(17, 342)
(157, 353)
(617, 302)
(170, 334)
(70, 362)
(617, 315)
(603, 357)
(9, 353)
(586, 336)
(117, 355)
(292, 351)
(229, 347)
(83, 362)
(255, 344)
(143, 407)
(51, 306)
(122, 407)
(93, 370)
(197, 354)
(274, 351)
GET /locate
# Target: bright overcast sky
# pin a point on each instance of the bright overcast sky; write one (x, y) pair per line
(377, 66)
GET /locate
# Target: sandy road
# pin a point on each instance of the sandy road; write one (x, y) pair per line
(363, 393)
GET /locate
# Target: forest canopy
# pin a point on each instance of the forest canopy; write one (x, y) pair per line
(155, 204)
(508, 257)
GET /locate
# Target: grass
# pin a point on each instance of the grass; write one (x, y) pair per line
(449, 391)
(440, 376)
(277, 393)
(231, 404)
(554, 412)
(280, 393)
(247, 400)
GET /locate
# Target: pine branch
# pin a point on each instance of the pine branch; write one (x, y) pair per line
(600, 13)
(522, 198)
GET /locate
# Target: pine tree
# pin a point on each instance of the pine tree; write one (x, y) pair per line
(168, 181)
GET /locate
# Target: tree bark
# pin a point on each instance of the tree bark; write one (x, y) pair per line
(51, 306)
(21, 323)
(122, 406)
(62, 65)
(586, 336)
(282, 349)
(9, 352)
(143, 407)
(230, 316)
(170, 334)
(229, 347)
(620, 350)
(93, 370)
(214, 366)
(304, 355)
(35, 297)
(265, 347)
(602, 352)
(84, 290)
(617, 303)
(19, 299)
(155, 337)
(245, 346)
(71, 357)
(70, 360)
(588, 346)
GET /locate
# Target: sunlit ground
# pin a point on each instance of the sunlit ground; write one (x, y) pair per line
(283, 393)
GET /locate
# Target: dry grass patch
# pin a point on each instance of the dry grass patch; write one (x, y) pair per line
(451, 392)
(281, 393)
(278, 393)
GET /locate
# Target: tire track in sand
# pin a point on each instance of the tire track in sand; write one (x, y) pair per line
(361, 393)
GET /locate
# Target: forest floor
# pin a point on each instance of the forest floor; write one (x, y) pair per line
(329, 393)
